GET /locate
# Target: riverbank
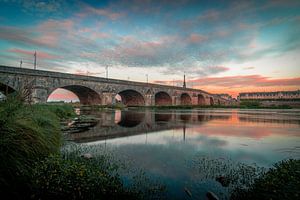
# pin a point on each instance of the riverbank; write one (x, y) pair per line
(37, 167)
(34, 166)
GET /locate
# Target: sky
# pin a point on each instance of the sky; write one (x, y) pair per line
(221, 46)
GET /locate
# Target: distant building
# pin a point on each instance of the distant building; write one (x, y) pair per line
(280, 95)
(225, 96)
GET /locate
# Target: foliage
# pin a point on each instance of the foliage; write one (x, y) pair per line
(250, 104)
(63, 111)
(26, 134)
(280, 182)
(34, 167)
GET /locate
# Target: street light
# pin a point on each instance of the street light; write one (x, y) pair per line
(34, 64)
(147, 78)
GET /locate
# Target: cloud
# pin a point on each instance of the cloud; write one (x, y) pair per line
(196, 38)
(248, 68)
(40, 54)
(237, 84)
(42, 6)
(90, 10)
(174, 39)
(23, 36)
(246, 81)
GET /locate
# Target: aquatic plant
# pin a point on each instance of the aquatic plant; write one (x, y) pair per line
(228, 173)
(280, 182)
(58, 177)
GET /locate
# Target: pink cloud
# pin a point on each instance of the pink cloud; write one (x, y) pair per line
(131, 47)
(99, 11)
(49, 39)
(210, 15)
(48, 33)
(196, 38)
(248, 68)
(250, 80)
(237, 84)
(100, 35)
(54, 25)
(40, 54)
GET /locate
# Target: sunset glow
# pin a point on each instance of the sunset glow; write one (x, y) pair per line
(221, 46)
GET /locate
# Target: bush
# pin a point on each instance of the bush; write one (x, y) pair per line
(280, 182)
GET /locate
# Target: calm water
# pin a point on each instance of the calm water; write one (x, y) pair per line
(180, 148)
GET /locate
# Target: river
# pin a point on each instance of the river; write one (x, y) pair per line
(187, 149)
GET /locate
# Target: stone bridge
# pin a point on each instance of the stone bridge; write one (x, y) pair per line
(101, 91)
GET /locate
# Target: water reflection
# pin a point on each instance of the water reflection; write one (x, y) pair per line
(116, 123)
(131, 119)
(168, 143)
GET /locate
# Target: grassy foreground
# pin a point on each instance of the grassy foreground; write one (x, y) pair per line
(34, 167)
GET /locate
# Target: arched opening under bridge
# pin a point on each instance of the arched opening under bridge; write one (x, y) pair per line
(201, 100)
(75, 93)
(163, 99)
(131, 98)
(185, 99)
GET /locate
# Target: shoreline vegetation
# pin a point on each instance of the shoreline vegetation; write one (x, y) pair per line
(34, 164)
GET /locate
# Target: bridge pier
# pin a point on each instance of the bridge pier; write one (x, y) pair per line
(149, 100)
(108, 98)
(175, 101)
(194, 99)
(39, 95)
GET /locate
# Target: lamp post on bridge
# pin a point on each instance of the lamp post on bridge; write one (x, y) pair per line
(34, 64)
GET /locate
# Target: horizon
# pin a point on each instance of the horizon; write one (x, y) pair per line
(222, 47)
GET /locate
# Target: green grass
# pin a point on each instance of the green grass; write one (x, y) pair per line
(34, 165)
(63, 111)
(27, 133)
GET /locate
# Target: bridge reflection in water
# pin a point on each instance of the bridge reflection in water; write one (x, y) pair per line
(117, 123)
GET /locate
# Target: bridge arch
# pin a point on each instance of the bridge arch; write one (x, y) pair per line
(132, 98)
(201, 100)
(185, 99)
(86, 95)
(163, 99)
(5, 89)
